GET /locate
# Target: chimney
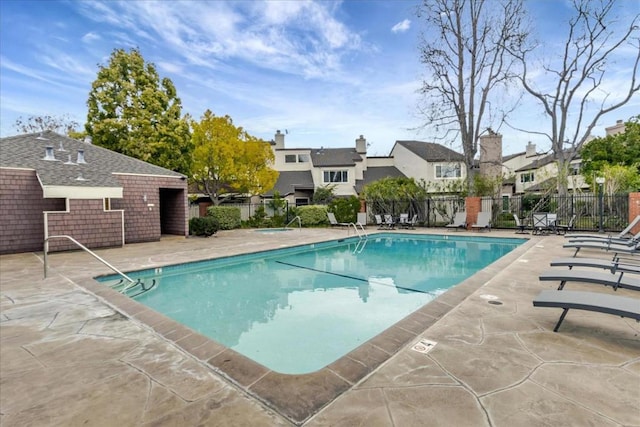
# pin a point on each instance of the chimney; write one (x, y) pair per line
(531, 149)
(279, 140)
(361, 145)
(81, 160)
(48, 154)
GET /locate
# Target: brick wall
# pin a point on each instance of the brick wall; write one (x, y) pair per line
(142, 217)
(88, 223)
(21, 207)
(634, 210)
(473, 205)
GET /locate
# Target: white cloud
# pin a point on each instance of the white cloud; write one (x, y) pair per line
(401, 27)
(90, 37)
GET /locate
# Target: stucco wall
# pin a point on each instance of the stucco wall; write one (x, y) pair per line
(21, 207)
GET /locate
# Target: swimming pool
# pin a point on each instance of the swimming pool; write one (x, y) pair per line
(298, 309)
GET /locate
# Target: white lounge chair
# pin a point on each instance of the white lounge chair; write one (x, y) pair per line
(590, 301)
(483, 222)
(334, 222)
(459, 221)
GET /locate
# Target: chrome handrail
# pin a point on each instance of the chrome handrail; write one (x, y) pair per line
(83, 247)
(355, 227)
(297, 217)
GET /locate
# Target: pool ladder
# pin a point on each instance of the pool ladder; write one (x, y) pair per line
(295, 218)
(362, 236)
(130, 282)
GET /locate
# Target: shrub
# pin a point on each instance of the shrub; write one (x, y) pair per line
(313, 215)
(226, 217)
(205, 226)
(345, 208)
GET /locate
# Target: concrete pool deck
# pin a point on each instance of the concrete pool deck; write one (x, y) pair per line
(71, 354)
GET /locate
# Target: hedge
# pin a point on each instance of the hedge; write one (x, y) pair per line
(227, 217)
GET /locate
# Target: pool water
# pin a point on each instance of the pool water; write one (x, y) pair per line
(296, 310)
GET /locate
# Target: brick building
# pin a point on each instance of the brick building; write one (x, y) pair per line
(54, 185)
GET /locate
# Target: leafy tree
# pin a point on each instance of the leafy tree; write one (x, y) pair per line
(465, 51)
(134, 112)
(572, 85)
(390, 195)
(323, 195)
(226, 159)
(622, 149)
(345, 208)
(59, 124)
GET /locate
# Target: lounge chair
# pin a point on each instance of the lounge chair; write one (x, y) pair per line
(483, 222)
(379, 221)
(617, 248)
(459, 221)
(412, 222)
(617, 280)
(608, 239)
(334, 222)
(565, 228)
(614, 265)
(590, 301)
(403, 220)
(520, 224)
(620, 235)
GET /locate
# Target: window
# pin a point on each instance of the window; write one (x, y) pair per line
(575, 169)
(290, 158)
(303, 158)
(505, 204)
(300, 201)
(107, 204)
(526, 177)
(336, 176)
(451, 170)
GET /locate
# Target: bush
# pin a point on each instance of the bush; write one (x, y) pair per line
(313, 215)
(205, 226)
(226, 217)
(345, 208)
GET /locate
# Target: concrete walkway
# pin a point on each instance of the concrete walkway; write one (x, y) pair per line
(69, 357)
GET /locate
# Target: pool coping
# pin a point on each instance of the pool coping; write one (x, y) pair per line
(299, 397)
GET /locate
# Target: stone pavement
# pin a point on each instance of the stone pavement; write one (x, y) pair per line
(68, 357)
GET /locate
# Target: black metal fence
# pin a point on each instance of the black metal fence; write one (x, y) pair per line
(592, 212)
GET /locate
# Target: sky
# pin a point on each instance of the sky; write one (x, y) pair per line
(322, 72)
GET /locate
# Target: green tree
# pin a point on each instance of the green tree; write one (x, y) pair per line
(622, 150)
(323, 195)
(226, 159)
(134, 112)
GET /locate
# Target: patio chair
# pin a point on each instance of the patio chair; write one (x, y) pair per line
(389, 222)
(590, 301)
(608, 239)
(411, 224)
(520, 224)
(616, 280)
(379, 221)
(483, 222)
(631, 248)
(459, 221)
(334, 222)
(540, 223)
(620, 235)
(565, 228)
(403, 221)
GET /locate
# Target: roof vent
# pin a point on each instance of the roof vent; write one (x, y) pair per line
(69, 162)
(81, 160)
(48, 154)
(61, 148)
(42, 137)
(88, 140)
(80, 178)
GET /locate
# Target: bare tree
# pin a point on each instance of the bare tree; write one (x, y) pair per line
(572, 89)
(34, 124)
(465, 50)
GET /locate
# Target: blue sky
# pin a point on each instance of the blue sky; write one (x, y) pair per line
(326, 71)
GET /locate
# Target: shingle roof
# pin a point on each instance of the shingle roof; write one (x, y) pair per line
(28, 151)
(375, 173)
(289, 181)
(335, 157)
(538, 163)
(431, 151)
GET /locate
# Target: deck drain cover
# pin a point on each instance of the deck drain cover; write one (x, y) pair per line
(495, 302)
(423, 346)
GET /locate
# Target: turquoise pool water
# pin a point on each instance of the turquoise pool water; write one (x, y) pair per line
(298, 309)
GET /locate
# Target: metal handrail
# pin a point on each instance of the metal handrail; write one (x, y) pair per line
(83, 247)
(297, 217)
(355, 227)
